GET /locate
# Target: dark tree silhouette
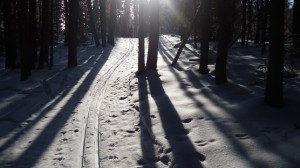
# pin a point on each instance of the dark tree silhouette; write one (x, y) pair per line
(250, 13)
(51, 33)
(9, 20)
(32, 33)
(92, 23)
(296, 23)
(226, 15)
(24, 46)
(103, 21)
(153, 35)
(73, 27)
(274, 87)
(244, 21)
(141, 56)
(112, 23)
(265, 13)
(44, 53)
(258, 22)
(96, 14)
(205, 35)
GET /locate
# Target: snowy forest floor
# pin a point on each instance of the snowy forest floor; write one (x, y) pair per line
(99, 114)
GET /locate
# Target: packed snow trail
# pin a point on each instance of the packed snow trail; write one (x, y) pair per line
(62, 129)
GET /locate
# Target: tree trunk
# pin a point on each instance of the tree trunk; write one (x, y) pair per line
(96, 14)
(244, 19)
(24, 46)
(205, 34)
(103, 21)
(225, 33)
(274, 87)
(258, 22)
(141, 57)
(250, 12)
(51, 33)
(9, 21)
(153, 35)
(265, 13)
(1, 30)
(44, 54)
(73, 28)
(112, 23)
(92, 23)
(32, 33)
(296, 23)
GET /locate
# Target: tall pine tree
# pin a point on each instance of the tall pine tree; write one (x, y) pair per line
(274, 86)
(153, 35)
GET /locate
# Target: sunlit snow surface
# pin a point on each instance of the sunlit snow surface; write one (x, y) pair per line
(100, 114)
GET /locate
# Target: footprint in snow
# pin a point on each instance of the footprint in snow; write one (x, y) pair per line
(188, 120)
(57, 154)
(113, 116)
(122, 97)
(58, 158)
(202, 143)
(131, 131)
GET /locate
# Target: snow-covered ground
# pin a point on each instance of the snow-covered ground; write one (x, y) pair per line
(100, 114)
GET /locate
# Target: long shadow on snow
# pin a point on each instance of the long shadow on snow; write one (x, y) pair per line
(147, 141)
(44, 139)
(183, 150)
(265, 119)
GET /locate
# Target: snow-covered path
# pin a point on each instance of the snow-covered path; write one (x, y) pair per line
(56, 122)
(100, 114)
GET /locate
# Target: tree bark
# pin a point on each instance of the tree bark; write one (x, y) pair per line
(73, 28)
(103, 21)
(9, 21)
(296, 23)
(112, 23)
(258, 22)
(44, 53)
(51, 33)
(92, 23)
(250, 13)
(24, 47)
(244, 20)
(274, 86)
(265, 13)
(141, 56)
(32, 33)
(153, 35)
(225, 33)
(205, 34)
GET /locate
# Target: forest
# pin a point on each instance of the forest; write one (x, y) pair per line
(30, 29)
(114, 60)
